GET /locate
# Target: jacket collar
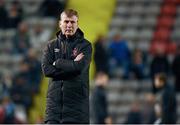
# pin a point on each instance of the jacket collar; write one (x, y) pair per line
(79, 35)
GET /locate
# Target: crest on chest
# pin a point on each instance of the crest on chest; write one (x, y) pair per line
(75, 52)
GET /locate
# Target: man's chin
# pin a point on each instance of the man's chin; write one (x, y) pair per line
(69, 34)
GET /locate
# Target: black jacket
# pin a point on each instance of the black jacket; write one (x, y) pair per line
(169, 105)
(100, 105)
(101, 58)
(176, 71)
(68, 90)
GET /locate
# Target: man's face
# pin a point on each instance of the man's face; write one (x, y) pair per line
(68, 25)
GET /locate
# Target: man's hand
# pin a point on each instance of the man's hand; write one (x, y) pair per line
(79, 57)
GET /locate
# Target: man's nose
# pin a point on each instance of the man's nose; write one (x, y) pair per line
(69, 24)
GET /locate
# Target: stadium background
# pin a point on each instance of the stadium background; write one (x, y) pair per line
(144, 24)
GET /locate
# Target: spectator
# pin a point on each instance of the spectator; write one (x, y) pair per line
(167, 100)
(3, 88)
(148, 112)
(176, 69)
(51, 8)
(101, 56)
(2, 115)
(99, 100)
(159, 64)
(39, 36)
(9, 109)
(119, 56)
(3, 15)
(20, 90)
(138, 65)
(21, 40)
(15, 14)
(34, 70)
(134, 116)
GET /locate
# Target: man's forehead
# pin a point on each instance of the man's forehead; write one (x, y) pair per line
(72, 18)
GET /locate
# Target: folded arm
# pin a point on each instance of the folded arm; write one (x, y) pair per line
(47, 64)
(63, 67)
(76, 65)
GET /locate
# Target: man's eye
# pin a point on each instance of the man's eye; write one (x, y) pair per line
(66, 21)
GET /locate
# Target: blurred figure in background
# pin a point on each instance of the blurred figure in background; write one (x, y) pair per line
(21, 40)
(99, 100)
(39, 36)
(166, 98)
(3, 15)
(15, 14)
(51, 8)
(101, 56)
(34, 70)
(20, 91)
(159, 64)
(176, 69)
(9, 109)
(137, 65)
(148, 112)
(119, 57)
(134, 116)
(4, 90)
(2, 115)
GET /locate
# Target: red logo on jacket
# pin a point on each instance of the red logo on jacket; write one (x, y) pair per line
(75, 52)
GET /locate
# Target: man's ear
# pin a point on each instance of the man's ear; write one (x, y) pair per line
(59, 23)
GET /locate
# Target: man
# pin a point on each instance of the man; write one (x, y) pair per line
(99, 100)
(176, 69)
(159, 64)
(66, 61)
(119, 57)
(101, 56)
(167, 100)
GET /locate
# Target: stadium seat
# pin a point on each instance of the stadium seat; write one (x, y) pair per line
(152, 9)
(122, 10)
(169, 10)
(149, 21)
(171, 48)
(176, 34)
(130, 34)
(161, 34)
(155, 45)
(165, 21)
(134, 21)
(137, 10)
(145, 34)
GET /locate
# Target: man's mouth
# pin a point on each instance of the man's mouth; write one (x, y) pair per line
(69, 31)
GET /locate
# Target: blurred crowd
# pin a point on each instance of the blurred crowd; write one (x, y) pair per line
(114, 59)
(18, 87)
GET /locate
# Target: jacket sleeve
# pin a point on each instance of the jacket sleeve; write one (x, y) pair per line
(47, 64)
(76, 66)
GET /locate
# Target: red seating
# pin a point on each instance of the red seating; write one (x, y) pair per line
(156, 45)
(161, 34)
(171, 48)
(172, 1)
(168, 9)
(167, 47)
(165, 21)
(2, 115)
